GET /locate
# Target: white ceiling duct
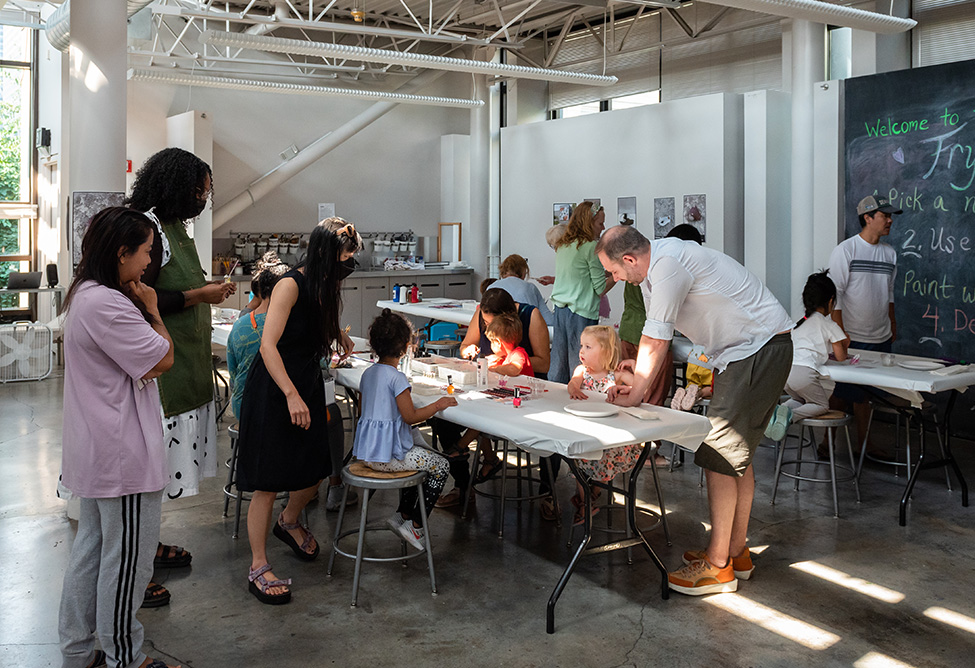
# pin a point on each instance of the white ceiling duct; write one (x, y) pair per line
(823, 12)
(187, 79)
(329, 50)
(58, 24)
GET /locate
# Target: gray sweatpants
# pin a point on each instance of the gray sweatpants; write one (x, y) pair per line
(110, 566)
(810, 392)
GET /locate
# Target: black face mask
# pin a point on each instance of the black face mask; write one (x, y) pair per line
(200, 206)
(345, 269)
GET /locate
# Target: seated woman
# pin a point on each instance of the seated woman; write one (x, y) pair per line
(534, 340)
(514, 280)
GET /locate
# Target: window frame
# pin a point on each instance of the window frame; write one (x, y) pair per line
(30, 256)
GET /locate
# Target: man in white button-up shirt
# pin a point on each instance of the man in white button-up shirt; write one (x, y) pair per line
(722, 307)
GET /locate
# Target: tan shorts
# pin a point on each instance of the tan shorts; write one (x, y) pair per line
(745, 394)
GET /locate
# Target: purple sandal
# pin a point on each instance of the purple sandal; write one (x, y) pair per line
(281, 530)
(259, 586)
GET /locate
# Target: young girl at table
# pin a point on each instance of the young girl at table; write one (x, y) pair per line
(383, 439)
(814, 338)
(599, 352)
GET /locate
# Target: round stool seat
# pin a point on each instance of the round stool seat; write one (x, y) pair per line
(828, 419)
(358, 474)
(234, 430)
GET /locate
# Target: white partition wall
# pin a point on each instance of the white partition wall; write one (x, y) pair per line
(685, 147)
(192, 131)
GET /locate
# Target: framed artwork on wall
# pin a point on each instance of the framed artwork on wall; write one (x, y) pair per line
(84, 205)
(561, 212)
(626, 210)
(663, 216)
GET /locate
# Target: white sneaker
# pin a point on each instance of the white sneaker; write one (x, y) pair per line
(411, 534)
(334, 499)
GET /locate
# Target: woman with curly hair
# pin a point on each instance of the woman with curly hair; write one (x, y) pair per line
(284, 431)
(172, 188)
(580, 282)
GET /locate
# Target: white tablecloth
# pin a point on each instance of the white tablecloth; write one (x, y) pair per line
(542, 426)
(459, 312)
(906, 383)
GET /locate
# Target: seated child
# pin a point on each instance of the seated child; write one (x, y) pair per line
(509, 359)
(599, 353)
(813, 339)
(700, 384)
(383, 439)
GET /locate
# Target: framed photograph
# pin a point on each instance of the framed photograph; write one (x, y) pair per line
(626, 210)
(561, 212)
(84, 206)
(663, 216)
(696, 213)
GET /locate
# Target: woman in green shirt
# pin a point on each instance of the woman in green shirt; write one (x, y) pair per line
(580, 281)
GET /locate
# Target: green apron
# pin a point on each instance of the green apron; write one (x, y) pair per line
(189, 384)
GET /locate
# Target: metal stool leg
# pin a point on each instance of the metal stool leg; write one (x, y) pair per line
(338, 529)
(778, 466)
(863, 446)
(358, 551)
(470, 482)
(426, 541)
(832, 474)
(230, 476)
(849, 449)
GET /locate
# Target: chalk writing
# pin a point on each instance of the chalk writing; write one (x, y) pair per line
(891, 127)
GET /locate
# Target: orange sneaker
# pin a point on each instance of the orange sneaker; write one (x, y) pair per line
(742, 564)
(701, 577)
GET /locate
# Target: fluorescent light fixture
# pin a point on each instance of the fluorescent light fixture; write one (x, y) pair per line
(824, 12)
(369, 55)
(186, 79)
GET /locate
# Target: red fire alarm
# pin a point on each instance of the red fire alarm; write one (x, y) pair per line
(128, 166)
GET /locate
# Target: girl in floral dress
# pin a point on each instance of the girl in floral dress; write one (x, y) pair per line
(599, 353)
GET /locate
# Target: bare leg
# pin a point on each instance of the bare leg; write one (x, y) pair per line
(730, 503)
(258, 526)
(296, 503)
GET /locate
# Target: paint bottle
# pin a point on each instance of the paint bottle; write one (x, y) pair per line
(450, 384)
(414, 294)
(396, 293)
(516, 400)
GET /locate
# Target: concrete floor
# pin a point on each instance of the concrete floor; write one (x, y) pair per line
(858, 591)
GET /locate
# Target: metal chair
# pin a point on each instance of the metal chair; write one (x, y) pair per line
(901, 410)
(359, 475)
(829, 421)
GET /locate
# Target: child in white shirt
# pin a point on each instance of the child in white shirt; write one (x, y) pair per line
(813, 339)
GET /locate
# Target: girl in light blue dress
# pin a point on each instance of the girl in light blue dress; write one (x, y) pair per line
(384, 439)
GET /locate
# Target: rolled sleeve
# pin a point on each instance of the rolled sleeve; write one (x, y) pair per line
(670, 284)
(597, 274)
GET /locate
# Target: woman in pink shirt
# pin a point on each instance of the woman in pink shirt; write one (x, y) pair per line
(112, 447)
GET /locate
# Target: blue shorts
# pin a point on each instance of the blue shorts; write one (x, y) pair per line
(855, 393)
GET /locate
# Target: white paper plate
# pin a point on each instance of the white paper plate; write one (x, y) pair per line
(921, 365)
(592, 410)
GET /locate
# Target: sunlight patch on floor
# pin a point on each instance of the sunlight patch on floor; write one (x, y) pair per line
(772, 620)
(856, 584)
(878, 660)
(952, 618)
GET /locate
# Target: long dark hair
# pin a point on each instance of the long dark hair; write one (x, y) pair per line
(495, 301)
(817, 294)
(329, 238)
(110, 229)
(172, 181)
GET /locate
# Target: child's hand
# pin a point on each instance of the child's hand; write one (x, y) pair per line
(445, 402)
(626, 365)
(577, 393)
(470, 352)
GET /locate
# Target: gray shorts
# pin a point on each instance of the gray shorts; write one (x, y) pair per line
(745, 394)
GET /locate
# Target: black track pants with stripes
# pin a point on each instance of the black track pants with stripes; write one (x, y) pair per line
(104, 584)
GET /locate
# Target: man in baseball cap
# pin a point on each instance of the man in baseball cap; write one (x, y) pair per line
(863, 269)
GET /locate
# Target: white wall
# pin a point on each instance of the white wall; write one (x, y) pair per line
(385, 178)
(667, 150)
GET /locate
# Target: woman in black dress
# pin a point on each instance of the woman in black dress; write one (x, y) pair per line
(283, 444)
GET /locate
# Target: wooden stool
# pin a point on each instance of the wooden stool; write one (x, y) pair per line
(357, 474)
(829, 420)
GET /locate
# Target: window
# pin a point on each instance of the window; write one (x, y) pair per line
(636, 100)
(579, 110)
(16, 152)
(840, 53)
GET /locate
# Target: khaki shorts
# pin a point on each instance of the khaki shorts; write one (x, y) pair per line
(745, 394)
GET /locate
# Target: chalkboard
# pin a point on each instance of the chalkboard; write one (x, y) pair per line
(910, 136)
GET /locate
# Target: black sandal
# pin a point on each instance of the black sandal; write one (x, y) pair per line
(258, 585)
(281, 532)
(98, 659)
(493, 469)
(156, 596)
(172, 556)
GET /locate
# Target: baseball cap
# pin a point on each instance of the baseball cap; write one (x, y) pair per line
(872, 203)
